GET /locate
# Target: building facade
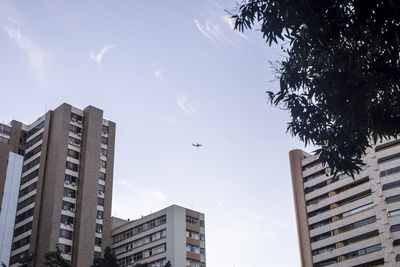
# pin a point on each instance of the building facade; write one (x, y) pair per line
(174, 234)
(343, 221)
(65, 190)
(9, 200)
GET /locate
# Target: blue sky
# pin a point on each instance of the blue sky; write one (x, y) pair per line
(169, 73)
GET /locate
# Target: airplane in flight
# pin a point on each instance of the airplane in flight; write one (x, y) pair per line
(197, 145)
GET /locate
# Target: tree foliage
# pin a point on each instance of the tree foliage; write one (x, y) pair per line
(54, 259)
(340, 79)
(109, 259)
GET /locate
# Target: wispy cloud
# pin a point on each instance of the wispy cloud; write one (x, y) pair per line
(219, 29)
(184, 105)
(99, 57)
(160, 76)
(37, 57)
(170, 120)
(123, 182)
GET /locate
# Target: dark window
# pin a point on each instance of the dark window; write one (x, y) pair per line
(101, 189)
(100, 201)
(24, 216)
(35, 129)
(97, 241)
(26, 202)
(389, 171)
(104, 152)
(68, 206)
(395, 228)
(99, 228)
(104, 140)
(67, 220)
(102, 164)
(76, 118)
(102, 176)
(69, 179)
(392, 199)
(321, 236)
(66, 234)
(22, 242)
(33, 152)
(72, 166)
(22, 229)
(389, 158)
(69, 192)
(391, 185)
(371, 263)
(99, 215)
(74, 142)
(75, 130)
(362, 251)
(73, 154)
(31, 164)
(27, 189)
(104, 129)
(357, 224)
(29, 177)
(65, 249)
(34, 141)
(308, 190)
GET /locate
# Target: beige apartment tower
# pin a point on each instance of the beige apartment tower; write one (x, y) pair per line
(173, 234)
(346, 222)
(66, 184)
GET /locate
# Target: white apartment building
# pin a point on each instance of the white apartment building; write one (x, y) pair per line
(343, 221)
(174, 234)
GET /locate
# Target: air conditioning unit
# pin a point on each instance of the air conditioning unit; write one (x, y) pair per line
(101, 193)
(79, 121)
(71, 225)
(72, 209)
(67, 181)
(69, 195)
(73, 183)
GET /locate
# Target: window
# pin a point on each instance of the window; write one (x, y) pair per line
(104, 129)
(202, 251)
(74, 142)
(69, 179)
(27, 189)
(104, 152)
(357, 224)
(192, 234)
(29, 177)
(99, 228)
(392, 199)
(73, 154)
(65, 249)
(192, 220)
(66, 234)
(99, 215)
(31, 164)
(35, 129)
(387, 145)
(72, 166)
(34, 141)
(104, 140)
(391, 185)
(202, 237)
(395, 228)
(192, 249)
(69, 193)
(68, 206)
(75, 130)
(362, 251)
(22, 229)
(97, 241)
(101, 189)
(102, 176)
(23, 216)
(20, 243)
(67, 220)
(26, 202)
(33, 152)
(321, 236)
(76, 118)
(308, 190)
(390, 171)
(356, 210)
(102, 164)
(100, 201)
(192, 263)
(393, 213)
(389, 158)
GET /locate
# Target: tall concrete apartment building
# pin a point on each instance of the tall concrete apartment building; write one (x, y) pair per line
(174, 234)
(65, 190)
(345, 222)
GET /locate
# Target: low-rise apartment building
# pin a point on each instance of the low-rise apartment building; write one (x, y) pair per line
(174, 234)
(343, 221)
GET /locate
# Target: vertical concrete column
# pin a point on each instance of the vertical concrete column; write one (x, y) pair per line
(107, 222)
(85, 226)
(50, 186)
(296, 156)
